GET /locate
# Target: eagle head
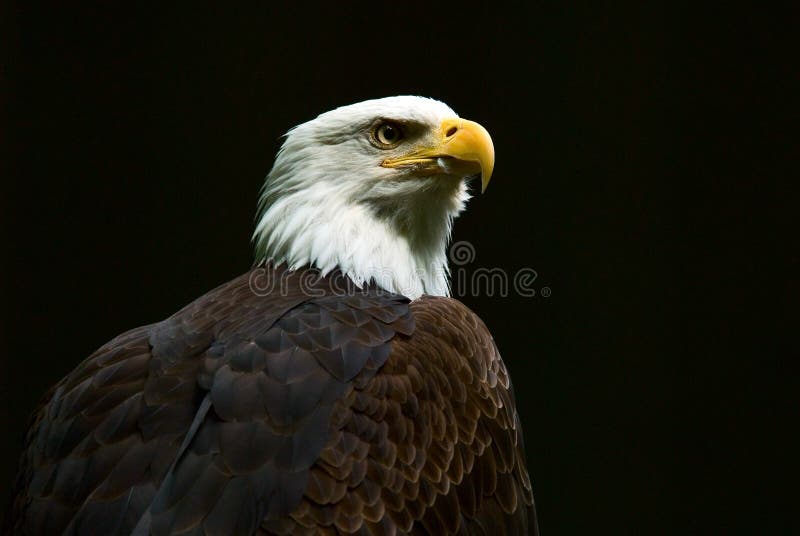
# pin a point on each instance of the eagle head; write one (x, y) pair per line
(372, 189)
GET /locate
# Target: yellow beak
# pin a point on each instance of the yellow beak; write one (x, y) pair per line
(465, 144)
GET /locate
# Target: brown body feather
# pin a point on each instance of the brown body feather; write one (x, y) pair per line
(317, 408)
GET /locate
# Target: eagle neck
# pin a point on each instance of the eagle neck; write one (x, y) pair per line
(402, 250)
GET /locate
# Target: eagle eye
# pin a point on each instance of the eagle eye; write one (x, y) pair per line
(387, 134)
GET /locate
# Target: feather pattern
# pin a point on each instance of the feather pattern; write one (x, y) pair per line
(327, 411)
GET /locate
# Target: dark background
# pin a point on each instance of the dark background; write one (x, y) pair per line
(136, 140)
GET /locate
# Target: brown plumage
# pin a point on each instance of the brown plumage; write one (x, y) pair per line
(318, 408)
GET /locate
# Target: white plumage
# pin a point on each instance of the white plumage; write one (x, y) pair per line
(328, 201)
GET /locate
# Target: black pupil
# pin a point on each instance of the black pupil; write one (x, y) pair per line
(389, 133)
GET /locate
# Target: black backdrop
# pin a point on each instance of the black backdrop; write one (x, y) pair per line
(137, 139)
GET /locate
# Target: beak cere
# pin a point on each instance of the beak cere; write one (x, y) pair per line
(465, 144)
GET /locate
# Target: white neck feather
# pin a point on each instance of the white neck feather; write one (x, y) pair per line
(401, 247)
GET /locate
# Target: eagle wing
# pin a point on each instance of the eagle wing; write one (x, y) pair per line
(301, 411)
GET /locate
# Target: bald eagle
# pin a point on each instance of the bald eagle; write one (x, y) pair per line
(335, 388)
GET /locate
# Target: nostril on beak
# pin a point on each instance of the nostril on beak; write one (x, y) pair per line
(451, 131)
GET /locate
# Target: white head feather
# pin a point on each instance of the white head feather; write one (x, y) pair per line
(328, 203)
